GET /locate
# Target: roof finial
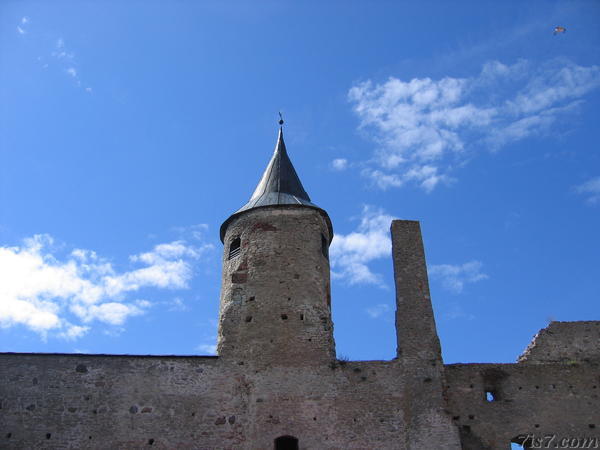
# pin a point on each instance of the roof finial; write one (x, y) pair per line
(280, 119)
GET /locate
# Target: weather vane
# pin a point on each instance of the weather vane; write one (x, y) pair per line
(280, 118)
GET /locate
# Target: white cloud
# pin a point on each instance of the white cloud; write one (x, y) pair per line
(46, 293)
(210, 349)
(73, 332)
(454, 277)
(424, 127)
(177, 304)
(196, 232)
(591, 188)
(81, 350)
(339, 164)
(351, 253)
(22, 27)
(457, 312)
(376, 311)
(383, 180)
(66, 59)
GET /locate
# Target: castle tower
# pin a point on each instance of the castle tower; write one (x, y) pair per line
(275, 292)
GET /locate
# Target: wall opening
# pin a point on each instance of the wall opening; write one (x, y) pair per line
(286, 443)
(521, 441)
(490, 396)
(324, 246)
(235, 248)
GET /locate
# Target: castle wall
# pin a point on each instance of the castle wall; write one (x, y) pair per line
(86, 401)
(124, 402)
(565, 342)
(540, 400)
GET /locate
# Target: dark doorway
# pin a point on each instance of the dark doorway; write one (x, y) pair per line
(286, 443)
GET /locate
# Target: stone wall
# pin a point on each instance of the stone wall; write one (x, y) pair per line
(494, 404)
(565, 342)
(124, 402)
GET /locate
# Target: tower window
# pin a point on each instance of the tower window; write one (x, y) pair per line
(235, 248)
(286, 443)
(324, 246)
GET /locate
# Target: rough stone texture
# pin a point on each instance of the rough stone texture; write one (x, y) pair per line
(278, 376)
(418, 345)
(199, 402)
(529, 399)
(275, 295)
(415, 326)
(565, 342)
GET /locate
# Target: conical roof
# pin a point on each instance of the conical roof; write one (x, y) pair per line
(279, 185)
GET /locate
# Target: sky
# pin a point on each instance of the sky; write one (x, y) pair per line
(129, 131)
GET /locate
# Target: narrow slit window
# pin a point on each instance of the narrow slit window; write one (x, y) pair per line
(235, 248)
(324, 246)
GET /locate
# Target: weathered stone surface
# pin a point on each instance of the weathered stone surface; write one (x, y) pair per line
(565, 342)
(356, 404)
(415, 326)
(271, 315)
(494, 404)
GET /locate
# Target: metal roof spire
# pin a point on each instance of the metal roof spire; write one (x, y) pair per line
(279, 180)
(279, 185)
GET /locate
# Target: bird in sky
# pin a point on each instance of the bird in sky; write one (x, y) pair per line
(559, 29)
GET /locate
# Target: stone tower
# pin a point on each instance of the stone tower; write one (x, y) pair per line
(275, 293)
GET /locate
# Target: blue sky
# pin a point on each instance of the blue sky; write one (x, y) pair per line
(129, 131)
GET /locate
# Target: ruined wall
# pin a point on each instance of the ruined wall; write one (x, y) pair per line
(539, 400)
(80, 401)
(552, 394)
(565, 342)
(418, 345)
(124, 402)
(415, 325)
